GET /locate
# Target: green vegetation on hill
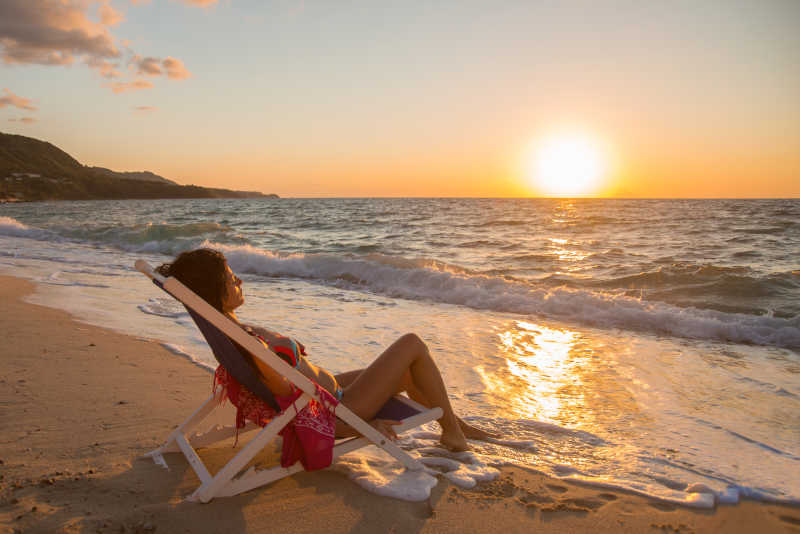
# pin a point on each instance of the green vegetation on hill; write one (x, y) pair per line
(32, 170)
(145, 176)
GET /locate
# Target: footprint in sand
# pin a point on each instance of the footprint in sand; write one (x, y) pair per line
(585, 503)
(663, 506)
(529, 498)
(608, 496)
(556, 488)
(564, 507)
(790, 519)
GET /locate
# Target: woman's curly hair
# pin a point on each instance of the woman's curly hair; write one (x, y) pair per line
(202, 271)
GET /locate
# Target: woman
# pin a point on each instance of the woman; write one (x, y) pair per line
(406, 366)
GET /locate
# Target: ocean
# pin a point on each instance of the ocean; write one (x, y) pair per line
(646, 345)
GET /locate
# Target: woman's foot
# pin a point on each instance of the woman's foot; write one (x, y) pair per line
(471, 432)
(454, 440)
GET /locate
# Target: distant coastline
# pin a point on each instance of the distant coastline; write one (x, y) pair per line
(33, 170)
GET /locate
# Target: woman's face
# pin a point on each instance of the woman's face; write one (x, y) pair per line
(233, 297)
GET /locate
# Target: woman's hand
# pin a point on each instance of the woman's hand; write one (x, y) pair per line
(384, 426)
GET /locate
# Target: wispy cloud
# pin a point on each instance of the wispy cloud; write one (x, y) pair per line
(140, 2)
(199, 3)
(153, 66)
(121, 87)
(109, 16)
(175, 68)
(26, 120)
(106, 69)
(144, 109)
(60, 32)
(16, 101)
(148, 66)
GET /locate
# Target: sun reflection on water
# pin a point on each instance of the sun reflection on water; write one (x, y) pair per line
(561, 376)
(541, 381)
(559, 249)
(544, 375)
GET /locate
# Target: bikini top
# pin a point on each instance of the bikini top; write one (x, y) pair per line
(289, 350)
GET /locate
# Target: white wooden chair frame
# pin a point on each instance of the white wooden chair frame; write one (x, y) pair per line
(225, 482)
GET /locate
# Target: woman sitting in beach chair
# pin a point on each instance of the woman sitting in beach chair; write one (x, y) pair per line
(406, 366)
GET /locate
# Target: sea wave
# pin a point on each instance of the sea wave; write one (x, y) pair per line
(420, 279)
(680, 300)
(164, 238)
(156, 235)
(729, 289)
(14, 228)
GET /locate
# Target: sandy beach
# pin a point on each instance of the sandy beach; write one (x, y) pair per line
(81, 405)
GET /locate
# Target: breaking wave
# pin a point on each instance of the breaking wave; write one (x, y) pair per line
(423, 279)
(678, 300)
(163, 238)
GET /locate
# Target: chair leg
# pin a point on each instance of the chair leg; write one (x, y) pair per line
(253, 478)
(224, 484)
(217, 434)
(184, 428)
(208, 490)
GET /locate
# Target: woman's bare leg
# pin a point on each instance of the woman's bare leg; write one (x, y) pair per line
(376, 384)
(410, 388)
(470, 432)
(347, 378)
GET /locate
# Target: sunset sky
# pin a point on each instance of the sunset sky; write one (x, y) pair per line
(674, 99)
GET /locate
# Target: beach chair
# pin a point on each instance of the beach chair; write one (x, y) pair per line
(229, 480)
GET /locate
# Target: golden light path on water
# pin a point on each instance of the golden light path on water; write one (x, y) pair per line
(558, 375)
(565, 254)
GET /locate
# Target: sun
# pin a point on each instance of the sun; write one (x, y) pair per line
(567, 164)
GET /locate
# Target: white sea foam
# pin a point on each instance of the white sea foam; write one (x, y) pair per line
(162, 238)
(180, 351)
(426, 280)
(56, 278)
(163, 307)
(430, 280)
(14, 228)
(378, 472)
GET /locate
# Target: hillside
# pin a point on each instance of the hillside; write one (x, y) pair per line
(32, 170)
(145, 176)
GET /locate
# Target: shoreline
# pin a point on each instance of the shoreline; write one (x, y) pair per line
(83, 404)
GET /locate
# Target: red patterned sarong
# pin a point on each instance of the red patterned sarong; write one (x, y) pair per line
(309, 437)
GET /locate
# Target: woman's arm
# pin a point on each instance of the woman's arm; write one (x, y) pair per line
(275, 381)
(274, 338)
(319, 375)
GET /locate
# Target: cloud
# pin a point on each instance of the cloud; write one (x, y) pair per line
(60, 32)
(153, 66)
(17, 101)
(175, 68)
(149, 66)
(109, 16)
(26, 120)
(51, 32)
(144, 109)
(106, 69)
(140, 2)
(121, 87)
(199, 3)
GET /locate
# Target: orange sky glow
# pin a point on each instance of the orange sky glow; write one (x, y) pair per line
(377, 99)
